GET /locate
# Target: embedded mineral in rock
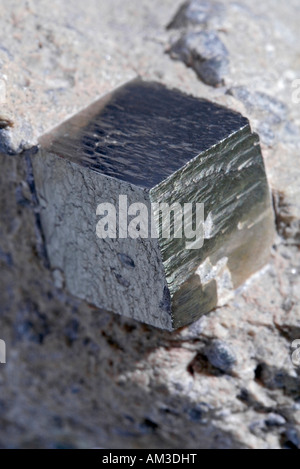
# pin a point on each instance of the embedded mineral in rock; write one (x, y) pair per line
(102, 178)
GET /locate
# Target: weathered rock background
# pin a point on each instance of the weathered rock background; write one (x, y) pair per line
(78, 377)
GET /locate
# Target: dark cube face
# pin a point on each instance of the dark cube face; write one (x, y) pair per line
(143, 132)
(154, 155)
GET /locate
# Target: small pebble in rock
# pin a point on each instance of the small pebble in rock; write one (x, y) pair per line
(292, 439)
(221, 355)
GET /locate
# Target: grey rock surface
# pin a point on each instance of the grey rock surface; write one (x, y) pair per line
(205, 53)
(220, 355)
(206, 14)
(79, 377)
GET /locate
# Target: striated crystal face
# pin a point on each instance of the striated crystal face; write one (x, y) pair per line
(152, 145)
(143, 132)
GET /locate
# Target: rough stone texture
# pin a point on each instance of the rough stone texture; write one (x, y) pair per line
(91, 267)
(77, 377)
(206, 14)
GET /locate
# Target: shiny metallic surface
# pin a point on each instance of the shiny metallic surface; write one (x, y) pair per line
(154, 145)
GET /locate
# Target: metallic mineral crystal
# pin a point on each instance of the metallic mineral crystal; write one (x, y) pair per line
(152, 145)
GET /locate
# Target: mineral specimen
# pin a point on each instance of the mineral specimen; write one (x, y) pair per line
(139, 147)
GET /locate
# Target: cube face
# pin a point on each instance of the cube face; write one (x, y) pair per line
(142, 133)
(145, 144)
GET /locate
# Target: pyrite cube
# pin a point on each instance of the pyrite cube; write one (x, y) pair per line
(154, 145)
